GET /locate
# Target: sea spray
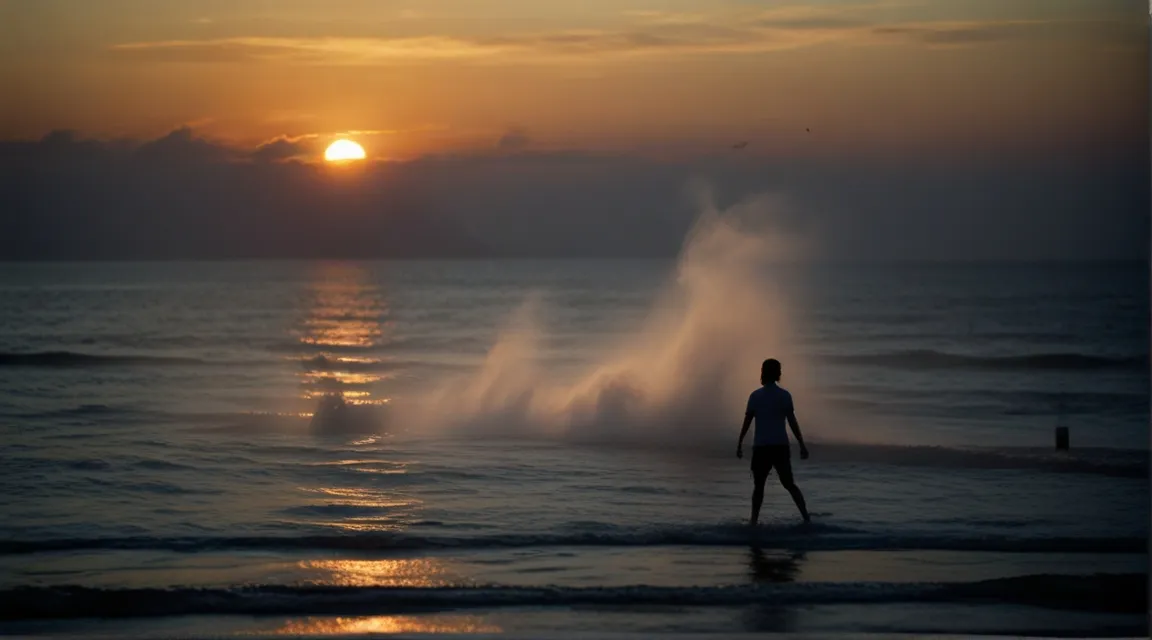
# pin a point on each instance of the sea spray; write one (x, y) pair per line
(681, 377)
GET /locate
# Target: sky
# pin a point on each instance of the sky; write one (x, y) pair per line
(895, 129)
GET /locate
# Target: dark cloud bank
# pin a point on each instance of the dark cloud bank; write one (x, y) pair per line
(181, 197)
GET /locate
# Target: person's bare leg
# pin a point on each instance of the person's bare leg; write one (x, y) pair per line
(759, 477)
(757, 500)
(785, 473)
(798, 498)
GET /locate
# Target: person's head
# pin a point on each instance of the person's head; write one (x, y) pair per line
(770, 371)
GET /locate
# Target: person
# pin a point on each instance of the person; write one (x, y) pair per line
(771, 406)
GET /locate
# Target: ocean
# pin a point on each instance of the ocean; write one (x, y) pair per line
(547, 446)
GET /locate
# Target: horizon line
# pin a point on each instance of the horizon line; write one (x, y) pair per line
(574, 258)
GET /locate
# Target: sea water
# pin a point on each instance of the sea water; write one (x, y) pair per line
(550, 445)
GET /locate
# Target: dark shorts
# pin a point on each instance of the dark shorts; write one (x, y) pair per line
(767, 457)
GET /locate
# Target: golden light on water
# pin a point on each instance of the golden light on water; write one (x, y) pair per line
(362, 509)
(345, 314)
(399, 467)
(345, 333)
(388, 624)
(362, 497)
(350, 396)
(346, 377)
(407, 572)
(344, 151)
(378, 470)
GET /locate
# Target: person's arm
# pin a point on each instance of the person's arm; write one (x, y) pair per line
(795, 425)
(743, 432)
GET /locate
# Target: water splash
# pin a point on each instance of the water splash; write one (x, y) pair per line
(682, 377)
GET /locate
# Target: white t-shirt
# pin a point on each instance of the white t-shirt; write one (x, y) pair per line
(770, 405)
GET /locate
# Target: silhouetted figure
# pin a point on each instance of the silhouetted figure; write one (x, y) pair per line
(771, 406)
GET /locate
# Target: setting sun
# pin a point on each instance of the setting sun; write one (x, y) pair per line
(343, 150)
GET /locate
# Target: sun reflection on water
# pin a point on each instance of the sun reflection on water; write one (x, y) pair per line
(351, 496)
(363, 509)
(343, 375)
(388, 624)
(347, 312)
(402, 572)
(396, 466)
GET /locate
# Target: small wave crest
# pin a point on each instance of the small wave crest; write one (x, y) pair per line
(62, 359)
(1115, 463)
(342, 510)
(324, 363)
(815, 537)
(923, 359)
(1121, 593)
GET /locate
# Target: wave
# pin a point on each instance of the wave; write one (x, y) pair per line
(1040, 401)
(1111, 462)
(1124, 593)
(26, 463)
(930, 359)
(322, 363)
(1116, 463)
(394, 343)
(352, 511)
(60, 359)
(85, 410)
(815, 537)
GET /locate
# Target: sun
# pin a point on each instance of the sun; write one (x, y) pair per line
(343, 150)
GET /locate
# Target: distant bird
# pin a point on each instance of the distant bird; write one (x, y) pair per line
(740, 145)
(807, 129)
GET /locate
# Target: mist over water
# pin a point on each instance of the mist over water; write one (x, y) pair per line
(682, 376)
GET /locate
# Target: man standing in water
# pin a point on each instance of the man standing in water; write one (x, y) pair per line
(771, 406)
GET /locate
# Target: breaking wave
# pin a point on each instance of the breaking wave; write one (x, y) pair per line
(60, 359)
(929, 359)
(1125, 593)
(815, 537)
(1117, 463)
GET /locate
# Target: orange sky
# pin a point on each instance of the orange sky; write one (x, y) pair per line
(445, 75)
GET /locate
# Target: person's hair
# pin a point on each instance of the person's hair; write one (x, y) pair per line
(770, 371)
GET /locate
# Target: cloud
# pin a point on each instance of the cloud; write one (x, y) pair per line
(575, 45)
(183, 146)
(655, 34)
(198, 51)
(281, 149)
(1114, 32)
(965, 33)
(813, 23)
(185, 196)
(514, 139)
(325, 50)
